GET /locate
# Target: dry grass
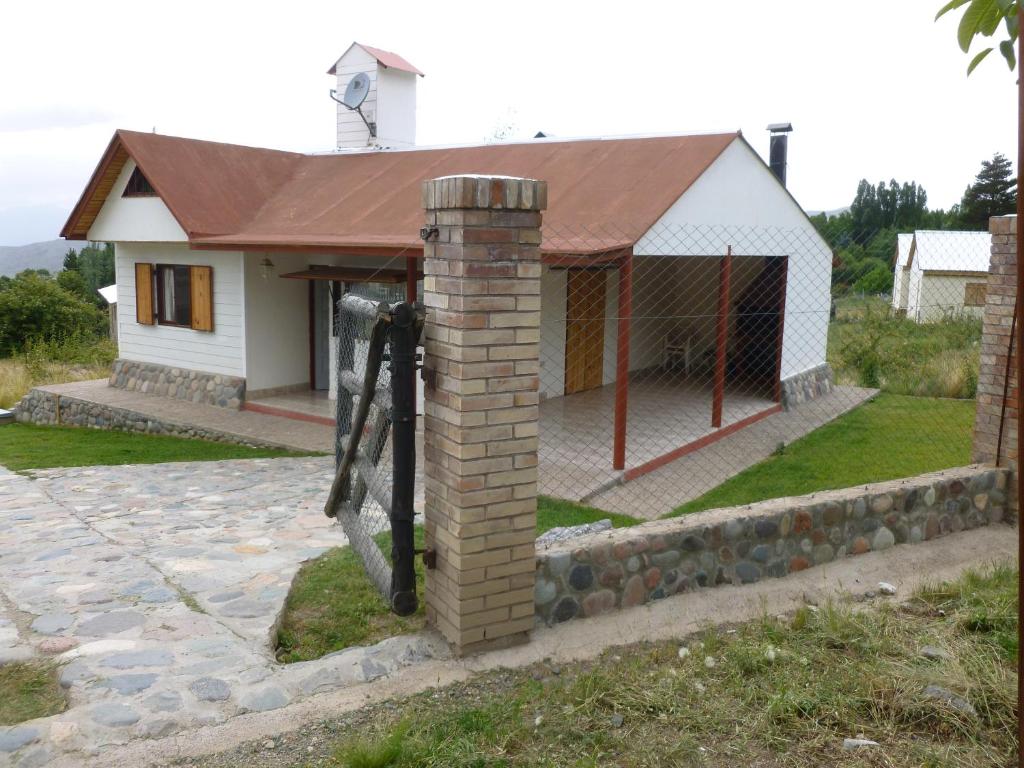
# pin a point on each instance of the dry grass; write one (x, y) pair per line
(777, 693)
(17, 377)
(71, 359)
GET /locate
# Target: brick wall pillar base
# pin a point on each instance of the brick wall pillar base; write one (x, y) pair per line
(482, 341)
(997, 410)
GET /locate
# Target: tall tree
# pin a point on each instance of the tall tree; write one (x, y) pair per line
(993, 193)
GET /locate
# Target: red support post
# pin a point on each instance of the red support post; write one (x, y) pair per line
(410, 279)
(622, 359)
(722, 339)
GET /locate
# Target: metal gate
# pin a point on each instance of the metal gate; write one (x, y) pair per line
(373, 489)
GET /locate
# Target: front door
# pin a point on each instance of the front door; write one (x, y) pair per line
(584, 330)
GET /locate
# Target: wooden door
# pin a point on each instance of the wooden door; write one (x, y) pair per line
(584, 330)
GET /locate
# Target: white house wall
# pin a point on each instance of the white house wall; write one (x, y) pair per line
(914, 276)
(352, 133)
(276, 323)
(898, 299)
(222, 351)
(553, 296)
(739, 202)
(943, 295)
(396, 108)
(134, 219)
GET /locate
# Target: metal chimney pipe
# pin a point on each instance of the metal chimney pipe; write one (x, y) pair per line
(778, 149)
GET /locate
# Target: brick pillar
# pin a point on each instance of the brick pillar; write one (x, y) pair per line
(482, 291)
(1001, 293)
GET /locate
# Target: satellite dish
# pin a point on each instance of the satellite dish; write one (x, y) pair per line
(355, 94)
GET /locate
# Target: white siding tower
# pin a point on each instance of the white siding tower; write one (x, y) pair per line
(391, 102)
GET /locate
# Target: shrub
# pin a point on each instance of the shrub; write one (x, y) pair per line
(37, 309)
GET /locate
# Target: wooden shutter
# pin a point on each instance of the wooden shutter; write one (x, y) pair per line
(201, 286)
(144, 294)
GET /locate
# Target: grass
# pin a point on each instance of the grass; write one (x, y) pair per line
(868, 346)
(890, 437)
(781, 692)
(57, 362)
(29, 690)
(332, 604)
(29, 446)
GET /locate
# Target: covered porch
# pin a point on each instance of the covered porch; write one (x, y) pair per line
(668, 416)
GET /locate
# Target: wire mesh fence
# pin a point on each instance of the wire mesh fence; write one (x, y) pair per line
(363, 502)
(714, 365)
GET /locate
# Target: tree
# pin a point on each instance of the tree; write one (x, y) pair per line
(33, 307)
(993, 193)
(983, 17)
(71, 260)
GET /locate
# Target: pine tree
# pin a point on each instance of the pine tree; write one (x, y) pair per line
(993, 193)
(71, 260)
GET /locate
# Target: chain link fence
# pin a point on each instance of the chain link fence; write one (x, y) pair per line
(711, 365)
(359, 347)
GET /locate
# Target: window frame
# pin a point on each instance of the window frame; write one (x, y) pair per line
(975, 288)
(159, 289)
(138, 185)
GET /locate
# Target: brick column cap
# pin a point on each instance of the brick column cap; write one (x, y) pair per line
(1003, 225)
(477, 191)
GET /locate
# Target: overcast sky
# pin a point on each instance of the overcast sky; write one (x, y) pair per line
(874, 88)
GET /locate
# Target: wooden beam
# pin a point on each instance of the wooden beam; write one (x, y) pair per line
(622, 360)
(783, 287)
(722, 339)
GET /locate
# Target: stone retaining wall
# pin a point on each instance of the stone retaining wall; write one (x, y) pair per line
(178, 383)
(809, 385)
(48, 408)
(632, 566)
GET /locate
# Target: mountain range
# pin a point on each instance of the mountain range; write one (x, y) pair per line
(45, 255)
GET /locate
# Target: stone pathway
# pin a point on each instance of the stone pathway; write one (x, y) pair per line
(158, 588)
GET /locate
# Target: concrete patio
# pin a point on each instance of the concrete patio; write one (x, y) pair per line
(673, 454)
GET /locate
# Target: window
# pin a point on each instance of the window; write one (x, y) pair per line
(974, 295)
(173, 293)
(138, 186)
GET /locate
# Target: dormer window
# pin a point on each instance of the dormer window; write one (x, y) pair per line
(138, 186)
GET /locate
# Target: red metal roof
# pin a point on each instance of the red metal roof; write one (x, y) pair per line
(603, 193)
(384, 58)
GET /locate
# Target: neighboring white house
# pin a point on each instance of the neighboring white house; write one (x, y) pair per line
(941, 273)
(227, 257)
(900, 285)
(109, 294)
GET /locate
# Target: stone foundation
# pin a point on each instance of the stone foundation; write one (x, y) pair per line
(806, 386)
(178, 383)
(632, 566)
(48, 408)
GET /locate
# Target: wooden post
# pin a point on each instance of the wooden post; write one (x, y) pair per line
(622, 359)
(782, 287)
(410, 279)
(722, 339)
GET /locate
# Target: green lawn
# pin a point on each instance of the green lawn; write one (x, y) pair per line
(890, 437)
(332, 605)
(773, 692)
(28, 446)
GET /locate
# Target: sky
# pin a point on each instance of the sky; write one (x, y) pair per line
(875, 89)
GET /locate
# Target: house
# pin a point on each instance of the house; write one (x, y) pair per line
(901, 285)
(940, 273)
(228, 257)
(109, 294)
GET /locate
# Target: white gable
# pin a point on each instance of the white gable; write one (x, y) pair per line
(134, 219)
(903, 243)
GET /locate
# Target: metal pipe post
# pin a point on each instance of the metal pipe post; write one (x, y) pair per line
(403, 440)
